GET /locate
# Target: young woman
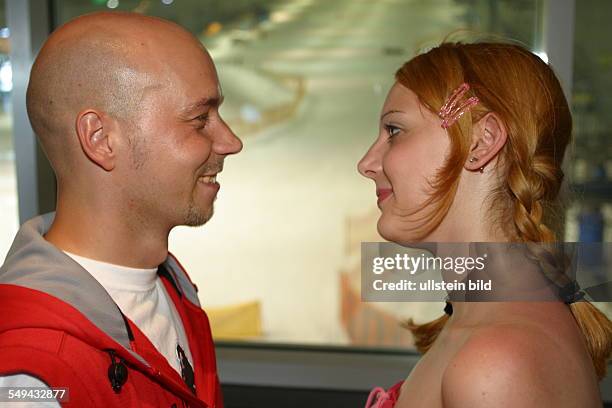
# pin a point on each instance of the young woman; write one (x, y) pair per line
(472, 138)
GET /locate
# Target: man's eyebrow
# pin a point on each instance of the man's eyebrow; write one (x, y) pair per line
(203, 103)
(390, 112)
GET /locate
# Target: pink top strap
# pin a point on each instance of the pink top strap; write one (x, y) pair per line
(379, 398)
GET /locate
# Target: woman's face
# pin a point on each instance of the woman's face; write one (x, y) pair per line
(410, 148)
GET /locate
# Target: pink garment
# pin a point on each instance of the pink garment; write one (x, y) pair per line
(379, 398)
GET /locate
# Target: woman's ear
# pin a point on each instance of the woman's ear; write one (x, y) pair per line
(489, 136)
(94, 139)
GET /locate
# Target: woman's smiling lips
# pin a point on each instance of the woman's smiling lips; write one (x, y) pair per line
(383, 194)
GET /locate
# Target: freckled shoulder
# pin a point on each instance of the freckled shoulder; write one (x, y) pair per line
(504, 366)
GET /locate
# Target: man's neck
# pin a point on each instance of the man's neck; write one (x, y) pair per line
(108, 237)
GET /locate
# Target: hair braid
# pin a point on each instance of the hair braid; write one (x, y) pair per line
(530, 186)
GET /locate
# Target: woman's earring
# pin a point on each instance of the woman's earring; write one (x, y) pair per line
(472, 160)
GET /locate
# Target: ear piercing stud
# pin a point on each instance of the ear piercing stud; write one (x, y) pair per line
(472, 160)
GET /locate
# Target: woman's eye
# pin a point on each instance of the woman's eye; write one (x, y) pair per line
(392, 130)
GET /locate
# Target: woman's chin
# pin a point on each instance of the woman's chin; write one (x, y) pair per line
(388, 228)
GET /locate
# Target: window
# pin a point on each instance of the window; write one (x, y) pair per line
(8, 187)
(590, 216)
(304, 82)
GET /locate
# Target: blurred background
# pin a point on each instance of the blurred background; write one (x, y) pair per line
(304, 82)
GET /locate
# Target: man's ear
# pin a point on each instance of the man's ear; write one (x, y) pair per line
(92, 129)
(489, 136)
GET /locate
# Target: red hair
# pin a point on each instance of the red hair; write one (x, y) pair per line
(525, 94)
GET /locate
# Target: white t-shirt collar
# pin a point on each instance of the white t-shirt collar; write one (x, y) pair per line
(118, 277)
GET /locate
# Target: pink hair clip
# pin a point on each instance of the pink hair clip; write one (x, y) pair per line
(450, 112)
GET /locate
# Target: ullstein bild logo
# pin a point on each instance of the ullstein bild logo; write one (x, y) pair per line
(412, 264)
(432, 285)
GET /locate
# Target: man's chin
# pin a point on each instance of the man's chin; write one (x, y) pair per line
(197, 217)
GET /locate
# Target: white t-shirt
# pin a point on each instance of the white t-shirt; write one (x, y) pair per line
(141, 296)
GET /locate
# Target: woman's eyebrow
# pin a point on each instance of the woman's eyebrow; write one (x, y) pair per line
(390, 112)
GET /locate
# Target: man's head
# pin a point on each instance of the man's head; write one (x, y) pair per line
(126, 109)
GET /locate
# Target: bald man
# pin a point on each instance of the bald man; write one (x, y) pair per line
(126, 109)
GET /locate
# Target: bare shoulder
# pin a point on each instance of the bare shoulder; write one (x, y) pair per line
(507, 365)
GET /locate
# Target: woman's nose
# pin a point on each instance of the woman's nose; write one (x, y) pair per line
(370, 165)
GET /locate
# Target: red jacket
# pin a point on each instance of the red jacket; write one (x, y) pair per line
(59, 325)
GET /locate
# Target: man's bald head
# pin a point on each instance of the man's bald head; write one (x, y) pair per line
(102, 61)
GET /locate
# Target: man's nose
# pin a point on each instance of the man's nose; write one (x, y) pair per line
(226, 142)
(371, 164)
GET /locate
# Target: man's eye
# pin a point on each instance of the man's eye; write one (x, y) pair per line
(203, 119)
(392, 130)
